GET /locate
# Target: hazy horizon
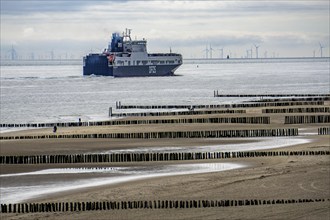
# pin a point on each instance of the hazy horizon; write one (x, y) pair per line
(71, 29)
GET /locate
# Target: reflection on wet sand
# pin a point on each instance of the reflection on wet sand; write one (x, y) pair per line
(256, 144)
(18, 188)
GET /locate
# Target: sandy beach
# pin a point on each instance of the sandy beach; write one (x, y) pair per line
(262, 178)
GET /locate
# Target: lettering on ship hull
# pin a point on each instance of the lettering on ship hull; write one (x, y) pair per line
(152, 70)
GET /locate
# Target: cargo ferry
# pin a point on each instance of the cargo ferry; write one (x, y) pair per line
(125, 57)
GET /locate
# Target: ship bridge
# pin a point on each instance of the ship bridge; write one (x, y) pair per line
(135, 46)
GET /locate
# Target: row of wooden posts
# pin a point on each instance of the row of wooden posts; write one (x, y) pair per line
(169, 134)
(45, 125)
(314, 99)
(147, 157)
(297, 110)
(242, 120)
(208, 112)
(216, 94)
(146, 204)
(324, 131)
(122, 122)
(189, 112)
(307, 119)
(239, 105)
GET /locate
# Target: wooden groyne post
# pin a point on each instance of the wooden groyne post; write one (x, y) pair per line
(147, 157)
(145, 204)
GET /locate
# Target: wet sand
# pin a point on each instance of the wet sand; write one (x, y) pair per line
(291, 177)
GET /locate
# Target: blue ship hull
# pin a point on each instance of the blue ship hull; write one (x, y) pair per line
(146, 70)
(97, 64)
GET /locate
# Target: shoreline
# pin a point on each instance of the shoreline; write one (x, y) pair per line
(12, 169)
(139, 173)
(263, 178)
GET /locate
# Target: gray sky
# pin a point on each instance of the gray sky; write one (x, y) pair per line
(73, 28)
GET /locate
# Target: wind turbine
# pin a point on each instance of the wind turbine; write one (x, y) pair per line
(256, 46)
(249, 53)
(221, 54)
(206, 52)
(52, 55)
(13, 53)
(32, 56)
(211, 51)
(321, 47)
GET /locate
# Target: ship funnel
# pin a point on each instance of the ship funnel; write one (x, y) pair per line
(116, 43)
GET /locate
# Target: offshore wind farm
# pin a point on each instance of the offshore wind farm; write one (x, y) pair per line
(207, 53)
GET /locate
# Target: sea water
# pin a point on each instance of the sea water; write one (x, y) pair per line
(59, 93)
(53, 93)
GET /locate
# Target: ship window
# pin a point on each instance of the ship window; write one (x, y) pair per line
(144, 62)
(120, 63)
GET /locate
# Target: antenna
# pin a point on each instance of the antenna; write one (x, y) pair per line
(127, 34)
(257, 47)
(321, 47)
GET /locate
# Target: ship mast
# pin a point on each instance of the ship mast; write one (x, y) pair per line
(127, 34)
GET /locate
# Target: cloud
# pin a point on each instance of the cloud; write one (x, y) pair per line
(27, 32)
(215, 40)
(19, 7)
(182, 24)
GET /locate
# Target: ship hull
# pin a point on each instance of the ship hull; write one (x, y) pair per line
(144, 71)
(96, 64)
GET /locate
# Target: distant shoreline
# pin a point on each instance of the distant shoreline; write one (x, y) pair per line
(25, 62)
